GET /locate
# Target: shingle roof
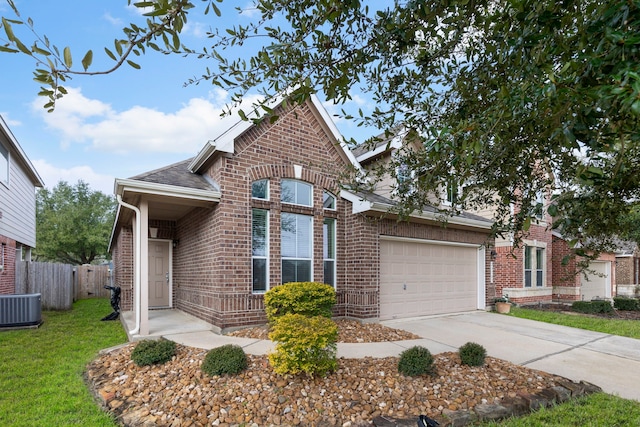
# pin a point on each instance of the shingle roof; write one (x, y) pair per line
(376, 198)
(178, 175)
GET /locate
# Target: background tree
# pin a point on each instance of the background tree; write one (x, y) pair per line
(73, 223)
(510, 98)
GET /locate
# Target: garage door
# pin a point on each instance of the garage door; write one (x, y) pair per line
(598, 283)
(419, 279)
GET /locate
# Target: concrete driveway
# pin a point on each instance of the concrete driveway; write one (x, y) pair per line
(609, 361)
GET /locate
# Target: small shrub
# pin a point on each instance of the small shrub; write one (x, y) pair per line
(626, 304)
(150, 352)
(472, 354)
(416, 361)
(304, 344)
(592, 307)
(228, 359)
(306, 298)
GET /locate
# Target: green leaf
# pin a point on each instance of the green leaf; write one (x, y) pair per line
(133, 64)
(110, 54)
(88, 58)
(8, 49)
(68, 62)
(8, 30)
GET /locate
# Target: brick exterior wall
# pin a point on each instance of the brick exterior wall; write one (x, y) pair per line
(122, 259)
(627, 270)
(509, 269)
(212, 260)
(567, 278)
(8, 274)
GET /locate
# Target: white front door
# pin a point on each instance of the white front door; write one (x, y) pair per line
(597, 284)
(159, 285)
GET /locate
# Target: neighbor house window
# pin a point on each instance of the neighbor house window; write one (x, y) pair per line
(260, 249)
(538, 205)
(451, 193)
(296, 247)
(328, 201)
(296, 192)
(533, 266)
(260, 189)
(329, 251)
(4, 165)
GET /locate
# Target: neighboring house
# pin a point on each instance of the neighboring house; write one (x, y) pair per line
(627, 267)
(261, 205)
(572, 282)
(18, 182)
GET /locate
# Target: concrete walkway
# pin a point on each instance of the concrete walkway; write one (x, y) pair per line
(609, 361)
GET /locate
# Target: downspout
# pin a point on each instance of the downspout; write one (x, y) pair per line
(137, 262)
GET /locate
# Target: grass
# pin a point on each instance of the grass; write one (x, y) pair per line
(595, 410)
(623, 328)
(41, 370)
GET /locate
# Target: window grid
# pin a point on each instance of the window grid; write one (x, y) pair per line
(329, 251)
(260, 250)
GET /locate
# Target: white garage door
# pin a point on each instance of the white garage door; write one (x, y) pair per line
(598, 283)
(419, 279)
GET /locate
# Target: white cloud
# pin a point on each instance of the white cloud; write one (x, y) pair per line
(138, 129)
(250, 10)
(51, 175)
(11, 123)
(112, 20)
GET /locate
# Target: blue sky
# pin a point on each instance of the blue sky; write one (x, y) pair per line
(122, 124)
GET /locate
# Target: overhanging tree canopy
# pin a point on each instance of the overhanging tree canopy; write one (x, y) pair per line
(510, 98)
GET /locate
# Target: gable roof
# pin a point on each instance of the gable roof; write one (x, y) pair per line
(179, 175)
(225, 142)
(14, 147)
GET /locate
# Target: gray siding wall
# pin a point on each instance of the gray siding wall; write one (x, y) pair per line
(17, 202)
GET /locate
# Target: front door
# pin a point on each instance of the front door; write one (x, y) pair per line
(158, 274)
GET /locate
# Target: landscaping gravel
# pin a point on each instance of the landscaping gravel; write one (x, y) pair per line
(179, 394)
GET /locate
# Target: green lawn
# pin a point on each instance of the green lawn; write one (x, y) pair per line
(41, 370)
(623, 328)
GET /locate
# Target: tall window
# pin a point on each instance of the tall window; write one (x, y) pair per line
(296, 192)
(405, 177)
(329, 251)
(260, 249)
(533, 257)
(4, 165)
(260, 189)
(297, 247)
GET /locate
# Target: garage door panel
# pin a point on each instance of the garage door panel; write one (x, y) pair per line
(425, 278)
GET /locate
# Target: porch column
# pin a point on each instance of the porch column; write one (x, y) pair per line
(144, 267)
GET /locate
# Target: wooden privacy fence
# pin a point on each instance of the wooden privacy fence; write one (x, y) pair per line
(61, 284)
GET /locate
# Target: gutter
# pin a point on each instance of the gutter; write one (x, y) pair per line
(137, 256)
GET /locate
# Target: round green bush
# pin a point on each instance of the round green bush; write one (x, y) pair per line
(416, 361)
(149, 352)
(472, 354)
(227, 359)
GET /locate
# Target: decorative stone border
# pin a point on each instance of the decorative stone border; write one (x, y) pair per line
(522, 404)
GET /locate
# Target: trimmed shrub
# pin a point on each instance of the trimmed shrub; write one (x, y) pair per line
(304, 344)
(592, 307)
(416, 361)
(472, 354)
(150, 352)
(626, 304)
(227, 359)
(306, 298)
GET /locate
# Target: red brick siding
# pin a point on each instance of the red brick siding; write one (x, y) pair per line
(8, 274)
(509, 265)
(627, 270)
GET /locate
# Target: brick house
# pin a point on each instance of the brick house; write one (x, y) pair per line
(627, 267)
(262, 205)
(597, 281)
(18, 183)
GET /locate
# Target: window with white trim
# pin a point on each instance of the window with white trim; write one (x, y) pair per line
(405, 177)
(533, 266)
(329, 250)
(296, 192)
(260, 249)
(4, 165)
(260, 189)
(328, 201)
(451, 193)
(296, 233)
